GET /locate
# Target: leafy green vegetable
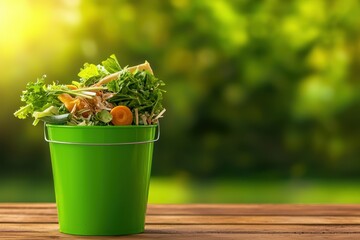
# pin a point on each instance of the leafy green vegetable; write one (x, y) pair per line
(89, 102)
(57, 119)
(89, 74)
(140, 90)
(37, 98)
(50, 111)
(89, 71)
(104, 116)
(111, 64)
(92, 73)
(42, 100)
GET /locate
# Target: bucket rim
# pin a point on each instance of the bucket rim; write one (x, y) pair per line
(54, 126)
(101, 127)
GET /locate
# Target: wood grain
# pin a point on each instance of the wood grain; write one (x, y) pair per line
(216, 209)
(201, 221)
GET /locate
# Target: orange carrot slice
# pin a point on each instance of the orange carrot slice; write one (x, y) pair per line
(68, 101)
(121, 115)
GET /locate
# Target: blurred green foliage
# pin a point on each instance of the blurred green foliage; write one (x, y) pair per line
(229, 190)
(254, 88)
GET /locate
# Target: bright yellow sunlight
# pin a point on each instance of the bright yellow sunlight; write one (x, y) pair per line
(14, 22)
(20, 22)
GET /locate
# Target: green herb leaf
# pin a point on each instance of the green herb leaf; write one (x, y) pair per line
(24, 111)
(37, 98)
(104, 116)
(89, 71)
(140, 90)
(111, 64)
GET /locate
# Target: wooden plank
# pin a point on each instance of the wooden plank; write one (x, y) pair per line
(232, 236)
(253, 229)
(256, 209)
(30, 227)
(201, 220)
(26, 218)
(212, 209)
(186, 219)
(201, 229)
(29, 211)
(27, 205)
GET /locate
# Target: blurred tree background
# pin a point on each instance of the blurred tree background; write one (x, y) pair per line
(256, 90)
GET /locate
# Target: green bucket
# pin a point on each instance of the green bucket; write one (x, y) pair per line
(101, 177)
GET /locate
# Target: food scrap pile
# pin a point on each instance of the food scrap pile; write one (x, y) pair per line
(105, 94)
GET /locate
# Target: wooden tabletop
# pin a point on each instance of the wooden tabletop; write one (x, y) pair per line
(201, 221)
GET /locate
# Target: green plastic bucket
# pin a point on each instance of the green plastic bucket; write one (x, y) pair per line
(101, 177)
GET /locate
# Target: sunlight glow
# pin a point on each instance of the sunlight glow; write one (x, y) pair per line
(25, 23)
(14, 23)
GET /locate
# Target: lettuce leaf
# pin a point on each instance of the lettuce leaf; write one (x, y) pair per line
(111, 64)
(89, 71)
(37, 98)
